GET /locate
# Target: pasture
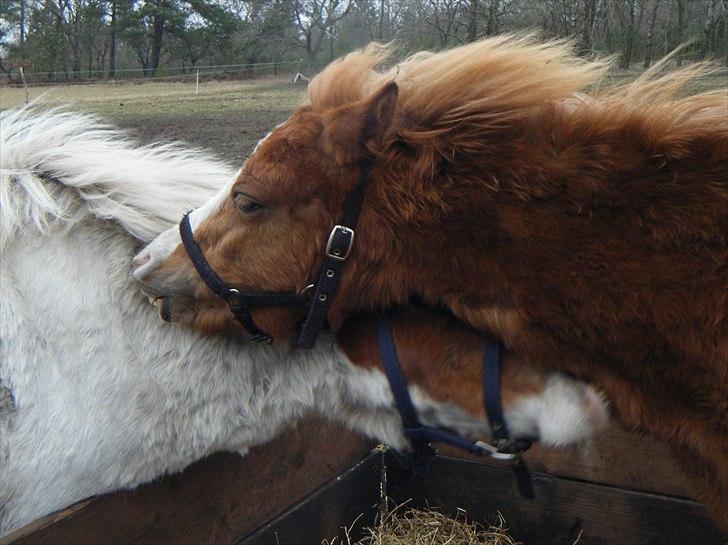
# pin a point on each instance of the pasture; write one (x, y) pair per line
(227, 117)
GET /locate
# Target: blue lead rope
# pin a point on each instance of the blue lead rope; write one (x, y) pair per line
(422, 436)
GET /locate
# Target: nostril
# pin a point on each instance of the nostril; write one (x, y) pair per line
(142, 259)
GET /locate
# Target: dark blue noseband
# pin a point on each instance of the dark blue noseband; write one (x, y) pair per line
(421, 436)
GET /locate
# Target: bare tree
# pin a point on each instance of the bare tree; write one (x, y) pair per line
(627, 24)
(496, 9)
(586, 42)
(473, 13)
(315, 20)
(711, 23)
(651, 35)
(444, 17)
(23, 17)
(112, 40)
(680, 27)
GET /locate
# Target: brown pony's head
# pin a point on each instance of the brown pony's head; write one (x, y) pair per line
(268, 229)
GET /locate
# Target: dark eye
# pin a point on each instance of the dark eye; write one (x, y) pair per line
(245, 204)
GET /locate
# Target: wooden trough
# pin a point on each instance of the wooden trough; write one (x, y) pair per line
(309, 484)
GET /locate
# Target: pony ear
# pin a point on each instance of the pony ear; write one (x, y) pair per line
(360, 129)
(379, 111)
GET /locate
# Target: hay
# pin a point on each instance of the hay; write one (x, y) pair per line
(410, 526)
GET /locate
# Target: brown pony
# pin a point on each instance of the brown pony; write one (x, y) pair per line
(590, 233)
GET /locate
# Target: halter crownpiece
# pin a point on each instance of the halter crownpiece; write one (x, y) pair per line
(338, 248)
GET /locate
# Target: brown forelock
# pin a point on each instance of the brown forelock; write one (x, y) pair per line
(591, 235)
(442, 356)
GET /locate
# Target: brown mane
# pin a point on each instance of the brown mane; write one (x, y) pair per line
(449, 100)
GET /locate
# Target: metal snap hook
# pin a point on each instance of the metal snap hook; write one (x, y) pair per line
(305, 291)
(233, 297)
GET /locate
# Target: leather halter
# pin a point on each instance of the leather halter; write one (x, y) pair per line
(239, 302)
(338, 248)
(421, 436)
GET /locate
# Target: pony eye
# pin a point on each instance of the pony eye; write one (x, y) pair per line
(245, 204)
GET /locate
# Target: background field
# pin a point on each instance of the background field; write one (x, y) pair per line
(228, 117)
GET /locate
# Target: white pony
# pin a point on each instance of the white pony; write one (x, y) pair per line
(97, 393)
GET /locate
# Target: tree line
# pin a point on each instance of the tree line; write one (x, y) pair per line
(90, 39)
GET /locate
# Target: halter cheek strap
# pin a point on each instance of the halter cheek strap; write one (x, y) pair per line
(239, 302)
(338, 248)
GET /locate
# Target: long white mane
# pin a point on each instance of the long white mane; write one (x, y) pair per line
(104, 172)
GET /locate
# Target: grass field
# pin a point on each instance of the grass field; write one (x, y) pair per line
(228, 117)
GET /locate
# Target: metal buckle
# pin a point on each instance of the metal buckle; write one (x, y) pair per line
(495, 453)
(333, 253)
(234, 299)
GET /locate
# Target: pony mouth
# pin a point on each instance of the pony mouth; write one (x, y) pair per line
(163, 305)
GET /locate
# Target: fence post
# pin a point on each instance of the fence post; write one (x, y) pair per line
(25, 85)
(197, 83)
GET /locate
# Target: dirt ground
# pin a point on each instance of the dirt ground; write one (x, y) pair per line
(227, 117)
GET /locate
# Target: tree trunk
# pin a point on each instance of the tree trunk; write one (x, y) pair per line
(112, 45)
(311, 55)
(76, 49)
(725, 32)
(473, 21)
(680, 27)
(53, 57)
(651, 36)
(607, 34)
(626, 58)
(640, 16)
(331, 44)
(708, 30)
(157, 37)
(493, 22)
(587, 39)
(22, 22)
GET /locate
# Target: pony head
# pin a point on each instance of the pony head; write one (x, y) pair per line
(267, 230)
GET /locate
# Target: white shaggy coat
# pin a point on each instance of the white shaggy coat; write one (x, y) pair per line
(96, 392)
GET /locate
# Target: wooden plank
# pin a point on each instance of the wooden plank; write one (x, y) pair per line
(343, 506)
(562, 511)
(615, 458)
(217, 500)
